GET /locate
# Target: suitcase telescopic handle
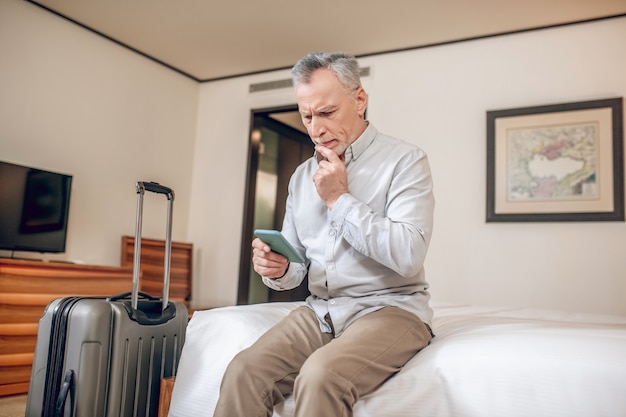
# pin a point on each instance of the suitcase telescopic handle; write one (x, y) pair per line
(142, 187)
(155, 187)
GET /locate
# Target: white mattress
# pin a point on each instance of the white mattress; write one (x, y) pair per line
(483, 362)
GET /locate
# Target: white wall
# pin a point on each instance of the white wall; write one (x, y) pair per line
(74, 102)
(437, 98)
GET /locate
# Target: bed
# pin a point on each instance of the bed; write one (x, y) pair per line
(484, 361)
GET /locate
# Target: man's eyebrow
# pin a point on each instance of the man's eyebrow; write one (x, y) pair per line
(325, 109)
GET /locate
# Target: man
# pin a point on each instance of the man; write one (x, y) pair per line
(361, 213)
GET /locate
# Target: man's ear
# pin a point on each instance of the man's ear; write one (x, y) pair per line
(361, 101)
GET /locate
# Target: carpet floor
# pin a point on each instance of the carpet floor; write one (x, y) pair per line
(14, 406)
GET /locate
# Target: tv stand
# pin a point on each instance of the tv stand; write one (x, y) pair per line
(13, 258)
(26, 288)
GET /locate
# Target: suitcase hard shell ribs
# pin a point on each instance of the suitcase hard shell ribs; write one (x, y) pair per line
(105, 357)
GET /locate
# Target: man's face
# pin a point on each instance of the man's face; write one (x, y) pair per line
(332, 116)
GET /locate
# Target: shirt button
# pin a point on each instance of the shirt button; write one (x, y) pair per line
(331, 267)
(331, 233)
(333, 224)
(332, 301)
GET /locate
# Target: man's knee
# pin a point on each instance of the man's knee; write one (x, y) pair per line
(241, 367)
(320, 386)
(320, 373)
(313, 373)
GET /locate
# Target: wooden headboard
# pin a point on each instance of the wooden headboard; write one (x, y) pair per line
(151, 265)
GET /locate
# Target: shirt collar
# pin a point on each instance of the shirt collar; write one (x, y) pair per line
(359, 146)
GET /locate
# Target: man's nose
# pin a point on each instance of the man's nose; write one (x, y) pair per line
(317, 128)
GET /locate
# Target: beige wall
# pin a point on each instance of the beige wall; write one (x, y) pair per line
(74, 102)
(437, 98)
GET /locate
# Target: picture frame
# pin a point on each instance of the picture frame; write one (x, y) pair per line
(555, 163)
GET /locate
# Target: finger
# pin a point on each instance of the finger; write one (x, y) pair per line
(258, 253)
(259, 244)
(268, 267)
(268, 259)
(329, 154)
(269, 272)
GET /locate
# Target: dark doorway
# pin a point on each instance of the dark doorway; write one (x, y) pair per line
(278, 144)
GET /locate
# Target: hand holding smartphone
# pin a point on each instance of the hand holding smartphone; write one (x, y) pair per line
(279, 244)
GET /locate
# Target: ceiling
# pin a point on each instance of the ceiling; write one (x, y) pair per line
(208, 39)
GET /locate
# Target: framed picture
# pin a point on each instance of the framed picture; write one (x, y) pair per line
(562, 162)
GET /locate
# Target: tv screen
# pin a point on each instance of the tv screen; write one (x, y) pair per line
(34, 208)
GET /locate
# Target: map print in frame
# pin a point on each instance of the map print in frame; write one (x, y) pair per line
(556, 163)
(553, 163)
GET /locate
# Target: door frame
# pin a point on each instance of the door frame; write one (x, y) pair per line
(245, 257)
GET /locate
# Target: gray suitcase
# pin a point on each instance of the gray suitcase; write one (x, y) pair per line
(105, 357)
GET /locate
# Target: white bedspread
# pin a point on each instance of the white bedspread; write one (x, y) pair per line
(483, 362)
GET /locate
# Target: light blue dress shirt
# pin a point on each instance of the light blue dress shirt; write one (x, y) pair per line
(368, 252)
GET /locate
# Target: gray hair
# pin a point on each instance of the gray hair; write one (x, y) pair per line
(344, 66)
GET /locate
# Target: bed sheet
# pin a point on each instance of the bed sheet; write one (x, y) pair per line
(484, 361)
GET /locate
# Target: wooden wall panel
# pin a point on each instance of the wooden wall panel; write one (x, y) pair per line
(26, 288)
(152, 264)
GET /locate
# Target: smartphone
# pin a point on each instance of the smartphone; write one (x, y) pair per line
(279, 244)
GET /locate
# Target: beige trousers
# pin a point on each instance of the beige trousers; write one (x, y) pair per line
(326, 375)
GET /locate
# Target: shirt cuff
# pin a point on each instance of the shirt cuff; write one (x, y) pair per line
(277, 283)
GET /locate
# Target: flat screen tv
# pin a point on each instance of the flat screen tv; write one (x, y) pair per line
(34, 209)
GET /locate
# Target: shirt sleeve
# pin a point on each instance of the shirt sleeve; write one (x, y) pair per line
(399, 237)
(292, 278)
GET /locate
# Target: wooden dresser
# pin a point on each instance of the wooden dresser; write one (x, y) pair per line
(26, 287)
